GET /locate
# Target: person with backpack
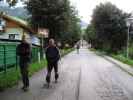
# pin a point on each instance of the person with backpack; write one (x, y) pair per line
(52, 57)
(23, 50)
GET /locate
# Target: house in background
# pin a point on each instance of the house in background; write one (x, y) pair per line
(12, 29)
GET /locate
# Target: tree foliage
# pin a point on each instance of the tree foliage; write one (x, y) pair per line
(56, 15)
(11, 2)
(90, 35)
(110, 27)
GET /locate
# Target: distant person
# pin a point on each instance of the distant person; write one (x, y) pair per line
(24, 53)
(52, 56)
(78, 47)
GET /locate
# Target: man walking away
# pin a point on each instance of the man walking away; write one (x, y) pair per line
(78, 47)
(52, 56)
(24, 53)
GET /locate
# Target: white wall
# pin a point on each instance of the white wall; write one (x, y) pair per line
(17, 31)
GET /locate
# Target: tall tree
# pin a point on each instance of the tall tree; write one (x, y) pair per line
(56, 15)
(73, 32)
(90, 35)
(46, 14)
(110, 26)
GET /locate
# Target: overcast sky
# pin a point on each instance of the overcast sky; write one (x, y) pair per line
(85, 7)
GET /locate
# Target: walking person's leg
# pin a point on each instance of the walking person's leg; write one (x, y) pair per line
(49, 69)
(21, 64)
(24, 74)
(77, 51)
(56, 71)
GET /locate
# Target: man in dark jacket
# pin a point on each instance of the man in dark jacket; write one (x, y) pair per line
(24, 53)
(52, 56)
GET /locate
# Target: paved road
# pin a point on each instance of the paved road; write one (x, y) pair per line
(83, 76)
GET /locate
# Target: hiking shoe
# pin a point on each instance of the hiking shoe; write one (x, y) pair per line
(56, 81)
(22, 88)
(26, 89)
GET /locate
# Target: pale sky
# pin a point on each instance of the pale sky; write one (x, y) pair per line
(85, 7)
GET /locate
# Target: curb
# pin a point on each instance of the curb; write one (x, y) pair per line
(125, 67)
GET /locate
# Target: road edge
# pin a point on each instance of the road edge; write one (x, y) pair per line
(125, 67)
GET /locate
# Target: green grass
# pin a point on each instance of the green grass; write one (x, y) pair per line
(98, 52)
(119, 56)
(35, 67)
(92, 49)
(66, 51)
(8, 79)
(12, 76)
(123, 59)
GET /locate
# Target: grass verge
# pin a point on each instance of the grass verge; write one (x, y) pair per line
(119, 57)
(66, 51)
(123, 59)
(12, 76)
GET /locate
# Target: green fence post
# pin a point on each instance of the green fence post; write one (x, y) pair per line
(4, 58)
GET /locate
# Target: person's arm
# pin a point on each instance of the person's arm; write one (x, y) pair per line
(59, 54)
(46, 53)
(17, 50)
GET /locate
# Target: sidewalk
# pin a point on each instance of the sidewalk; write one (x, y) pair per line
(125, 67)
(65, 89)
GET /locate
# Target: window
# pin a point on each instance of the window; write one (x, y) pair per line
(11, 36)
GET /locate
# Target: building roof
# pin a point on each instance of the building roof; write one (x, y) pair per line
(20, 22)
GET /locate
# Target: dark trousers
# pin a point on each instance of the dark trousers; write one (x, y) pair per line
(24, 73)
(52, 65)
